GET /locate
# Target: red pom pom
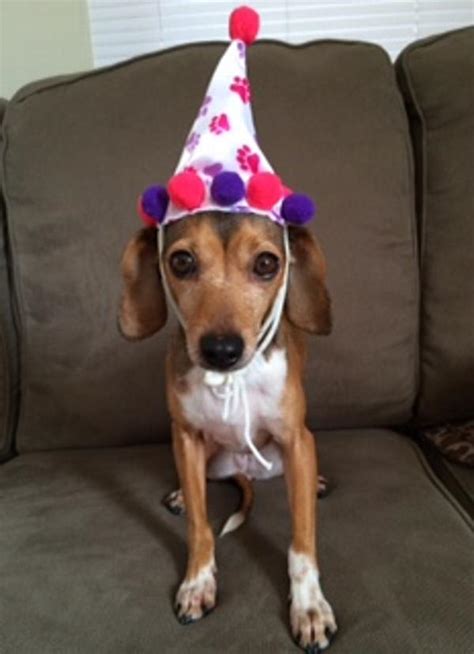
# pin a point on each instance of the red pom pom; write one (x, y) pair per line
(264, 190)
(149, 222)
(244, 24)
(187, 190)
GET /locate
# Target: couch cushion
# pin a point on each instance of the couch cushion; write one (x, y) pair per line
(89, 559)
(436, 76)
(78, 152)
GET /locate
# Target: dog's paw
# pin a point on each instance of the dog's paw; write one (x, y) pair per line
(196, 597)
(324, 486)
(311, 617)
(312, 628)
(174, 502)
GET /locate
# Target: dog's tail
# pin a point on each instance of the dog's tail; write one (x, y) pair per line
(240, 516)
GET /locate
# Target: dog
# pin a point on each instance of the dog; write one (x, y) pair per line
(224, 272)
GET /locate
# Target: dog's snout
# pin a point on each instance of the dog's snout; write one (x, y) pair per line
(221, 351)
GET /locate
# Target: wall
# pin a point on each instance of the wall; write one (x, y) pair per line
(41, 38)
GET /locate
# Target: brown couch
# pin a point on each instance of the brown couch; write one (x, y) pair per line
(89, 559)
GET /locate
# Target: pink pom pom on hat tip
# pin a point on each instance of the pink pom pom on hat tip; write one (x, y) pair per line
(244, 24)
(187, 190)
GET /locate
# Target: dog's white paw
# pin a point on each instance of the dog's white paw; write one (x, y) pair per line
(311, 617)
(196, 597)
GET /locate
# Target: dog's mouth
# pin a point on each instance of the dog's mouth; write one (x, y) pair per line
(228, 369)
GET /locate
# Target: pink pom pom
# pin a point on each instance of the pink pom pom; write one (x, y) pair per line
(149, 222)
(244, 24)
(264, 190)
(187, 190)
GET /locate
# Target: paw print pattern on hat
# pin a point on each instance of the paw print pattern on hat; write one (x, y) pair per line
(241, 86)
(219, 124)
(247, 159)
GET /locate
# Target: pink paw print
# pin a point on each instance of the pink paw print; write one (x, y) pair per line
(241, 85)
(219, 124)
(247, 159)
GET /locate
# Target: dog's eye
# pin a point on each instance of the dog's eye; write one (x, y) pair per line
(183, 264)
(266, 265)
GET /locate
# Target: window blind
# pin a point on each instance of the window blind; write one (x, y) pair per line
(121, 29)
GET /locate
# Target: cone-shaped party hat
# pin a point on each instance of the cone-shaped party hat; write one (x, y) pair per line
(222, 167)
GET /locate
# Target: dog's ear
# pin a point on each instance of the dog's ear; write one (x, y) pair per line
(142, 309)
(308, 305)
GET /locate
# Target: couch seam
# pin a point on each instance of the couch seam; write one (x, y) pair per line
(420, 216)
(410, 159)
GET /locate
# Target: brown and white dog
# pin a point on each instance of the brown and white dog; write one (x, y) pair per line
(224, 274)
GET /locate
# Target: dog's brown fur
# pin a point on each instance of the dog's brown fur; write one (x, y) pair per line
(225, 296)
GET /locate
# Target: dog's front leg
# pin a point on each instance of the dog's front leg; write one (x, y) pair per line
(196, 595)
(311, 617)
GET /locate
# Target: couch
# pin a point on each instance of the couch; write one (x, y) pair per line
(89, 558)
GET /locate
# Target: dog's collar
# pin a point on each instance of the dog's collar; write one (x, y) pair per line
(231, 386)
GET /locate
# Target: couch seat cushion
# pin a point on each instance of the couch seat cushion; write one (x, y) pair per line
(89, 558)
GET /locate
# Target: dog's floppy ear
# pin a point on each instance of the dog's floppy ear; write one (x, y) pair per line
(308, 305)
(142, 309)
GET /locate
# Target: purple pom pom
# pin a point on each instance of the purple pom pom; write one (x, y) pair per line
(297, 209)
(155, 201)
(227, 189)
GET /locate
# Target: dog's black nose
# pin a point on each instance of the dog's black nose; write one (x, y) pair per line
(221, 351)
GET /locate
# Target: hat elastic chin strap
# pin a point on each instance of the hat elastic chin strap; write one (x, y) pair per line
(231, 387)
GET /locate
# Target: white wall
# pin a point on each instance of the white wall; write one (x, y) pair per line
(41, 38)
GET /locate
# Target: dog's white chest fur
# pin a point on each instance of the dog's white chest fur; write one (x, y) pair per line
(203, 408)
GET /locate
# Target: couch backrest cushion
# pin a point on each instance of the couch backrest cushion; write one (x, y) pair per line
(78, 152)
(437, 78)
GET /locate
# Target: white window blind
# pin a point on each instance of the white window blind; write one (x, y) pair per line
(121, 29)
